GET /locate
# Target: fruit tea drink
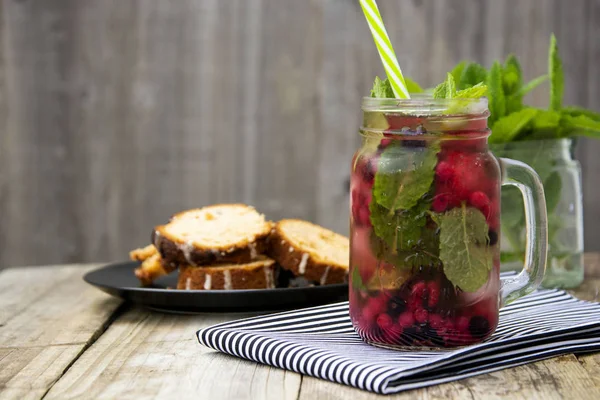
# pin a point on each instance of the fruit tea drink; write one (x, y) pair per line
(425, 220)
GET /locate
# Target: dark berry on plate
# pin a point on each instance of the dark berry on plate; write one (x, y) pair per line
(493, 235)
(479, 327)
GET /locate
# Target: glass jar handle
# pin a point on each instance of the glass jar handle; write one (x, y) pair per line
(521, 175)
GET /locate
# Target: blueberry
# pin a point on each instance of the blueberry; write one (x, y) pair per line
(369, 171)
(479, 327)
(396, 306)
(493, 235)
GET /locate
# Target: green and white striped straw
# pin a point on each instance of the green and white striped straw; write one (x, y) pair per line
(384, 46)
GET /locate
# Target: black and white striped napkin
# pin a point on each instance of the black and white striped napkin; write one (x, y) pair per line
(321, 342)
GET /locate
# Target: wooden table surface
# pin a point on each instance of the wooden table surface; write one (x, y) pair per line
(60, 338)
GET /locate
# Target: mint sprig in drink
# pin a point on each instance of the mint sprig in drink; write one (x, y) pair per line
(425, 220)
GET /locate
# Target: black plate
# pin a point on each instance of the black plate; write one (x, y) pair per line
(118, 280)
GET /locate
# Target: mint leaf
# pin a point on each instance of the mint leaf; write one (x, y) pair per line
(575, 111)
(512, 77)
(457, 72)
(463, 247)
(404, 238)
(400, 230)
(545, 125)
(509, 127)
(532, 84)
(552, 191)
(557, 79)
(404, 175)
(583, 125)
(446, 89)
(382, 89)
(476, 91)
(412, 86)
(471, 75)
(497, 101)
(356, 279)
(512, 80)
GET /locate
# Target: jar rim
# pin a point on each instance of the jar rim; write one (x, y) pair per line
(424, 104)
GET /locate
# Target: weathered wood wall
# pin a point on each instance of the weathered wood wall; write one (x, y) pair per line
(116, 113)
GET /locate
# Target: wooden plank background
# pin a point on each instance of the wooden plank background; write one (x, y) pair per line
(114, 114)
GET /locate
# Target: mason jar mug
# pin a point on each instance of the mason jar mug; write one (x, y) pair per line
(425, 225)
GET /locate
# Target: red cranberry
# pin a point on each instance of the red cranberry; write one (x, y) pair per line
(406, 319)
(444, 171)
(421, 315)
(419, 289)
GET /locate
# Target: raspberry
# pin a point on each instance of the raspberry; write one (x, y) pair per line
(460, 188)
(480, 201)
(384, 321)
(434, 293)
(406, 319)
(374, 307)
(436, 321)
(462, 324)
(421, 315)
(418, 290)
(444, 171)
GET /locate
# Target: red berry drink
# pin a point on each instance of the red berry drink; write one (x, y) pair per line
(425, 220)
